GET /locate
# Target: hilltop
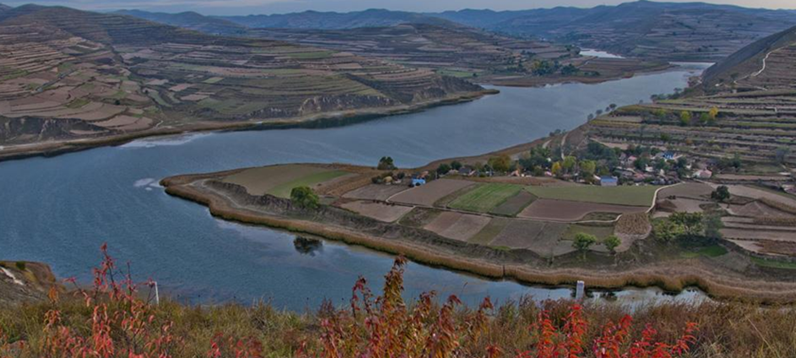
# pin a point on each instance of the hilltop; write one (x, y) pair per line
(71, 75)
(189, 20)
(335, 20)
(672, 31)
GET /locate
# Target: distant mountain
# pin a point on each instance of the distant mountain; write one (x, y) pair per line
(672, 31)
(4, 7)
(189, 20)
(334, 20)
(769, 63)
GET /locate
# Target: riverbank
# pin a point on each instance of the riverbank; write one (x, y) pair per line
(322, 120)
(633, 268)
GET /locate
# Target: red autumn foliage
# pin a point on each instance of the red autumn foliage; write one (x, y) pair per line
(122, 324)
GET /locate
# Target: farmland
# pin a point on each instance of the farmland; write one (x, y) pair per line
(622, 195)
(486, 197)
(62, 80)
(280, 180)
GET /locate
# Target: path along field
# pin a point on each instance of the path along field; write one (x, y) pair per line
(279, 180)
(618, 195)
(563, 210)
(485, 197)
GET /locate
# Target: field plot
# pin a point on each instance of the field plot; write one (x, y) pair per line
(485, 197)
(540, 237)
(757, 209)
(430, 193)
(490, 231)
(378, 211)
(687, 190)
(458, 226)
(515, 204)
(749, 192)
(281, 179)
(601, 232)
(375, 192)
(619, 195)
(565, 211)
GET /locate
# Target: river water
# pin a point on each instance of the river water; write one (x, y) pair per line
(60, 210)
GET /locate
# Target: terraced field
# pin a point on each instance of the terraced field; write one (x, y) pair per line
(69, 74)
(279, 180)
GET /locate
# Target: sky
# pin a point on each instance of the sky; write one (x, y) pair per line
(246, 7)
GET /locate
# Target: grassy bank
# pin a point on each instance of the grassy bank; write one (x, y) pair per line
(115, 319)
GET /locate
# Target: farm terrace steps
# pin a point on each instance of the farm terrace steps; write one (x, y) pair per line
(77, 66)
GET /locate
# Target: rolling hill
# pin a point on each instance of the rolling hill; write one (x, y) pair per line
(335, 20)
(71, 75)
(189, 20)
(672, 31)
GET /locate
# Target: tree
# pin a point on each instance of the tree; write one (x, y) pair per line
(583, 241)
(500, 163)
(443, 169)
(685, 118)
(690, 222)
(721, 193)
(713, 225)
(588, 168)
(666, 230)
(456, 165)
(304, 197)
(611, 243)
(713, 113)
(556, 169)
(386, 163)
(569, 164)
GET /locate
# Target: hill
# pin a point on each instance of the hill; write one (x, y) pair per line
(189, 20)
(336, 20)
(4, 7)
(739, 120)
(769, 63)
(69, 75)
(672, 31)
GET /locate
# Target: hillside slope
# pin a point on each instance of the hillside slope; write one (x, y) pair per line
(769, 63)
(67, 74)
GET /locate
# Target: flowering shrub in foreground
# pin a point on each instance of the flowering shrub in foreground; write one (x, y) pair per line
(118, 321)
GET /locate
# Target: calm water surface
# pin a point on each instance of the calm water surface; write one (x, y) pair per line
(59, 210)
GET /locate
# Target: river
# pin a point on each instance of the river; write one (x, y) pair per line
(60, 210)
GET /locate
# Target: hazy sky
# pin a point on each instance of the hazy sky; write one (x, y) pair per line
(243, 7)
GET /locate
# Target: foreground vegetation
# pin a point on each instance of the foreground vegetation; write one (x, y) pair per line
(114, 319)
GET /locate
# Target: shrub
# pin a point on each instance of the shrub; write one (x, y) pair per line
(304, 197)
(21, 265)
(612, 242)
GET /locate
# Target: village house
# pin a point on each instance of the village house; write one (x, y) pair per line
(609, 181)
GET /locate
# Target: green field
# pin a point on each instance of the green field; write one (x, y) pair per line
(283, 190)
(708, 251)
(774, 263)
(618, 195)
(485, 197)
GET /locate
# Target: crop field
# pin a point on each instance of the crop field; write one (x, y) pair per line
(687, 190)
(514, 205)
(490, 231)
(758, 209)
(543, 238)
(279, 180)
(619, 195)
(378, 211)
(485, 197)
(430, 193)
(458, 226)
(565, 211)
